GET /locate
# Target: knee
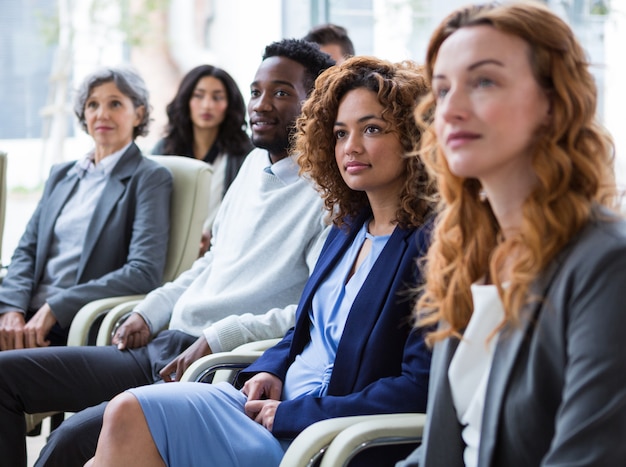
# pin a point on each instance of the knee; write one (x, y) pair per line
(122, 412)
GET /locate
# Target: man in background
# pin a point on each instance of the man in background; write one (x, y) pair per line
(333, 40)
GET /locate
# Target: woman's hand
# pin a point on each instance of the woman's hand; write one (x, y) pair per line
(12, 330)
(263, 386)
(38, 327)
(262, 411)
(263, 391)
(133, 333)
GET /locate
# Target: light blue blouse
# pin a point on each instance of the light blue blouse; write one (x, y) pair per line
(310, 373)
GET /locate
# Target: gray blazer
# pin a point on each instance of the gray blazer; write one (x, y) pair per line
(125, 246)
(557, 388)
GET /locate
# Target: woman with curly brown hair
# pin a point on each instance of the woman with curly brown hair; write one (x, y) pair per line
(526, 273)
(353, 349)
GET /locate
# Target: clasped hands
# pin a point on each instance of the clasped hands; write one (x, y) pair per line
(16, 333)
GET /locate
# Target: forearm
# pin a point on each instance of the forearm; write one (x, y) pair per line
(236, 330)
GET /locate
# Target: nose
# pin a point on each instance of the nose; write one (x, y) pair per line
(102, 112)
(261, 103)
(353, 143)
(454, 105)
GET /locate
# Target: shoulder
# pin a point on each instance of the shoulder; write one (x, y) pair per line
(141, 168)
(61, 168)
(159, 147)
(592, 267)
(603, 237)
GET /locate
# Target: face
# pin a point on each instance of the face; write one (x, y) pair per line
(276, 97)
(489, 105)
(111, 118)
(367, 151)
(334, 50)
(208, 103)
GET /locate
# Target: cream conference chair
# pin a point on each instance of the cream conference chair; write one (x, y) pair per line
(189, 206)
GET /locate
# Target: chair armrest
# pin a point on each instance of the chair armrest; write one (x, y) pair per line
(310, 445)
(374, 430)
(114, 318)
(88, 314)
(205, 367)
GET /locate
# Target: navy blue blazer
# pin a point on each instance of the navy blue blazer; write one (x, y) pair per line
(382, 363)
(125, 245)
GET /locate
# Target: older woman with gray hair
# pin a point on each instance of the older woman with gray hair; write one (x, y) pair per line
(101, 226)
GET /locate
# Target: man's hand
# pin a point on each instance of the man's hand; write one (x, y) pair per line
(175, 369)
(262, 412)
(133, 333)
(12, 330)
(38, 327)
(205, 243)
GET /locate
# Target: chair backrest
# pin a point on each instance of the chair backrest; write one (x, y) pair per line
(3, 195)
(189, 207)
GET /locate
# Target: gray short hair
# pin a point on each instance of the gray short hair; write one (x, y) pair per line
(127, 81)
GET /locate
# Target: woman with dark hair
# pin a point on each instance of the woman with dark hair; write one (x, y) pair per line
(352, 350)
(207, 121)
(525, 277)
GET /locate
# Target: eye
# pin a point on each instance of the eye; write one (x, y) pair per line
(91, 105)
(197, 95)
(281, 93)
(372, 130)
(254, 93)
(116, 103)
(339, 134)
(483, 82)
(219, 97)
(440, 93)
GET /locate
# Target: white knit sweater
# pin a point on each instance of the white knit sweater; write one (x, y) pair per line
(266, 238)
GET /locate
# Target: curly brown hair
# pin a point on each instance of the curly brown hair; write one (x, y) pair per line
(572, 158)
(398, 86)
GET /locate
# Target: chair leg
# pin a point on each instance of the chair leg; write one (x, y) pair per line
(35, 431)
(56, 420)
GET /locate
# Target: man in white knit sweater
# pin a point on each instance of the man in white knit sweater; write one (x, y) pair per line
(266, 238)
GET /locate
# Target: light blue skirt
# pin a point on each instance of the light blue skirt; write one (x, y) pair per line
(198, 424)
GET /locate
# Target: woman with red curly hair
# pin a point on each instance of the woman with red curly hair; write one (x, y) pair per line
(526, 273)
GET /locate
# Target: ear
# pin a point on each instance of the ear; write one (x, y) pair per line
(547, 119)
(139, 114)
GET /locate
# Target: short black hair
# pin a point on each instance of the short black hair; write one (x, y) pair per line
(305, 53)
(326, 34)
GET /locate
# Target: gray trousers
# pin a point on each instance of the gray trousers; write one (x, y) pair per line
(73, 379)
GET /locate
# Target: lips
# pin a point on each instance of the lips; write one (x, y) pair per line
(459, 138)
(260, 125)
(355, 166)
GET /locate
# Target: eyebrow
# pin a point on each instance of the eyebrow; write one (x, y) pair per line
(473, 66)
(362, 119)
(276, 82)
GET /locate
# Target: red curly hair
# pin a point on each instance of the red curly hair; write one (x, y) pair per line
(572, 158)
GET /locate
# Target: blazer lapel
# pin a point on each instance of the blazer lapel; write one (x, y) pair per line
(370, 298)
(113, 191)
(442, 436)
(338, 242)
(57, 200)
(507, 349)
